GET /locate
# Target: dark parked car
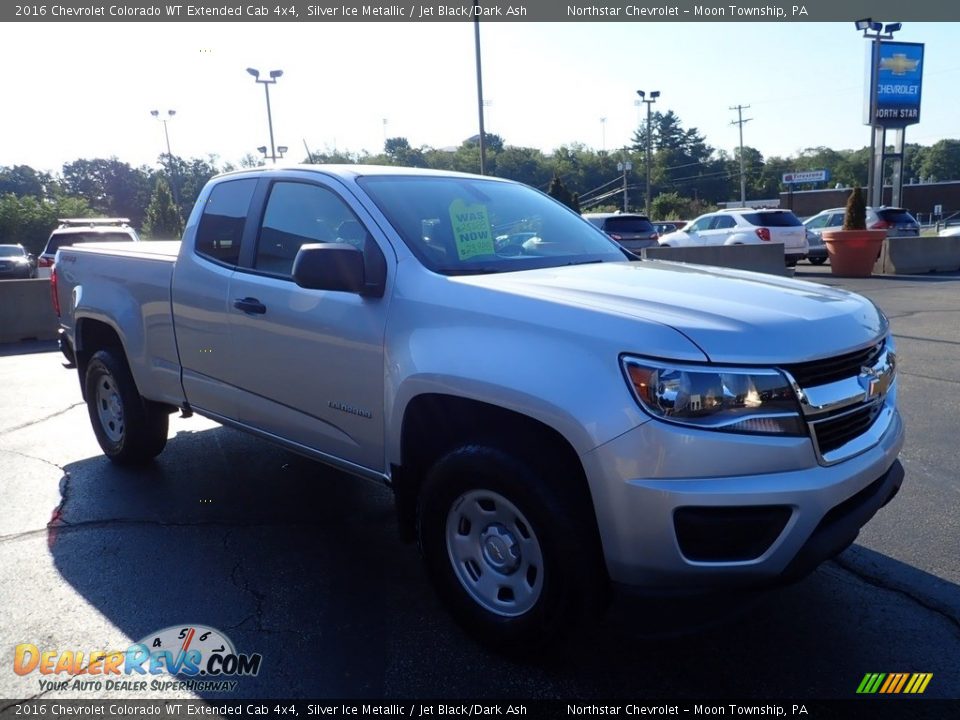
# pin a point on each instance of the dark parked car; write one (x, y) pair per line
(633, 232)
(16, 263)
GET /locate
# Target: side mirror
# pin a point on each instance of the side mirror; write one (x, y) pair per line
(338, 267)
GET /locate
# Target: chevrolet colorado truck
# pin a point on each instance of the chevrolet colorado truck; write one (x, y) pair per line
(555, 417)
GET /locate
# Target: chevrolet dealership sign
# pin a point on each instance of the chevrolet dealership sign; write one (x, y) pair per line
(898, 74)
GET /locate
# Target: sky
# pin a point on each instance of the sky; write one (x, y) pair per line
(86, 90)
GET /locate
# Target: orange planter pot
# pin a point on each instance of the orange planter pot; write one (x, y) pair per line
(853, 252)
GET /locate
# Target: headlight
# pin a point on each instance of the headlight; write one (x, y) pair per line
(716, 398)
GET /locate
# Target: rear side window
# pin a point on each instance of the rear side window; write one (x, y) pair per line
(628, 225)
(221, 225)
(772, 219)
(723, 222)
(897, 216)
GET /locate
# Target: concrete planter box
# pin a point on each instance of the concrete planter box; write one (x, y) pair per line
(26, 311)
(758, 258)
(918, 255)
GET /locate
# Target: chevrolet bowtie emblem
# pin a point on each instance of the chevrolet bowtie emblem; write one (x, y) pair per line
(899, 64)
(875, 382)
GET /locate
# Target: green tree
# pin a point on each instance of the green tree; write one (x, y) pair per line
(163, 218)
(399, 152)
(110, 187)
(942, 161)
(559, 191)
(22, 180)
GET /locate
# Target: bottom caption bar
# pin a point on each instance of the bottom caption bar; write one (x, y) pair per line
(872, 707)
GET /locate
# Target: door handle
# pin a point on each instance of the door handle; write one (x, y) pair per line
(250, 305)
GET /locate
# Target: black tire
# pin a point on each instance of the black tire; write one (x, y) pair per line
(535, 526)
(817, 260)
(130, 430)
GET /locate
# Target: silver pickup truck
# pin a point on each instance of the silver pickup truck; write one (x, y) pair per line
(554, 416)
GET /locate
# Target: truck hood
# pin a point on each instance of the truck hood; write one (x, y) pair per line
(733, 316)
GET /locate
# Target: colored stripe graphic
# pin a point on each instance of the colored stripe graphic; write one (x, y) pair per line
(894, 683)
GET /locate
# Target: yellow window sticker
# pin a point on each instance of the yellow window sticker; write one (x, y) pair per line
(471, 230)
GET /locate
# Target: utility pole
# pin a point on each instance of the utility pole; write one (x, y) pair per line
(625, 167)
(743, 178)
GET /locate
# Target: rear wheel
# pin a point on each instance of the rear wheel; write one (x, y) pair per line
(129, 429)
(817, 260)
(509, 547)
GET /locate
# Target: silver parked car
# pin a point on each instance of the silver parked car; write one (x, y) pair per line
(896, 221)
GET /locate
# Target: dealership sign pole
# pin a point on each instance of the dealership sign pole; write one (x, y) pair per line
(892, 102)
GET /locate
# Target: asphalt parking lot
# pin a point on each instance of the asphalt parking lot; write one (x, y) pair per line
(302, 564)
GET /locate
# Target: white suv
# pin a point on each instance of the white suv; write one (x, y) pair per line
(73, 231)
(744, 226)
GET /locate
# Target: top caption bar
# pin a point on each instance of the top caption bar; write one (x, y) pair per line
(519, 11)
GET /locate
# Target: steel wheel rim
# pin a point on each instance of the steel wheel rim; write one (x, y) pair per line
(495, 553)
(110, 409)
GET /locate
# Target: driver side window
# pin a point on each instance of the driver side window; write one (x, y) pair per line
(297, 214)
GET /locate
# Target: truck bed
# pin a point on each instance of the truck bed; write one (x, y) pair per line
(126, 286)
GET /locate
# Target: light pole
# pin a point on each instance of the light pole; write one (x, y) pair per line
(876, 32)
(653, 98)
(476, 45)
(166, 134)
(274, 74)
(603, 130)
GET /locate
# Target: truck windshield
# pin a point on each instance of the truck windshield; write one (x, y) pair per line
(459, 226)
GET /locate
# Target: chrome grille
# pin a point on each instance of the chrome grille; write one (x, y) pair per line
(821, 372)
(844, 399)
(836, 432)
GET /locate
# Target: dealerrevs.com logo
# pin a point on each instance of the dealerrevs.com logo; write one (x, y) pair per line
(201, 658)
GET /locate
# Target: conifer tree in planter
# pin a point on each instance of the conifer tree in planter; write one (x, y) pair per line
(854, 249)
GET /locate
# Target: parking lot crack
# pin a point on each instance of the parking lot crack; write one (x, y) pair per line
(942, 610)
(34, 457)
(37, 421)
(239, 580)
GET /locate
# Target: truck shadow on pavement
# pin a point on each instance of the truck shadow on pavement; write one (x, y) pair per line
(302, 564)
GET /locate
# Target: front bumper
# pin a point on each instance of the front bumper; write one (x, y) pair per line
(774, 511)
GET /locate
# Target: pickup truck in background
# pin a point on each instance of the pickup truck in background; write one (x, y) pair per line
(555, 418)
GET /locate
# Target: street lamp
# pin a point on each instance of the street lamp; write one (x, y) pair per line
(603, 129)
(281, 150)
(653, 98)
(876, 32)
(166, 134)
(274, 74)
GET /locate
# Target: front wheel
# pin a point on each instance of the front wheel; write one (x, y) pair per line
(509, 548)
(817, 260)
(129, 429)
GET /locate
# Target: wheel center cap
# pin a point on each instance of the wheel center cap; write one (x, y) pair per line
(500, 549)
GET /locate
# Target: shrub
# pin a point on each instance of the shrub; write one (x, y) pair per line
(855, 216)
